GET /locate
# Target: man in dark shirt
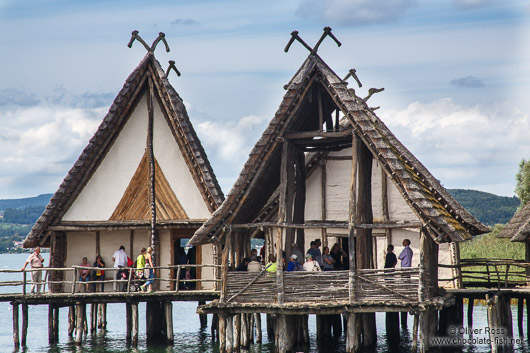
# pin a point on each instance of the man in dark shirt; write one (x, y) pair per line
(390, 258)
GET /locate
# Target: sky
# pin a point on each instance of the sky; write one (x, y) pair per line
(456, 75)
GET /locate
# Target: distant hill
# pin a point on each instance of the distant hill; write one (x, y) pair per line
(488, 208)
(41, 200)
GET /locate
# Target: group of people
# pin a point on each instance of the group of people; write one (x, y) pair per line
(335, 259)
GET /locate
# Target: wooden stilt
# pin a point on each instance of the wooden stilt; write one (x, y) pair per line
(71, 320)
(203, 318)
(245, 330)
(168, 308)
(222, 333)
(392, 327)
(415, 334)
(237, 332)
(403, 315)
(93, 317)
(251, 323)
(16, 339)
(128, 321)
(134, 324)
(257, 321)
(520, 311)
(80, 322)
(270, 326)
(428, 327)
(230, 334)
(25, 322)
(528, 318)
(214, 329)
(470, 304)
(353, 339)
(155, 321)
(85, 323)
(55, 323)
(51, 330)
(284, 335)
(499, 321)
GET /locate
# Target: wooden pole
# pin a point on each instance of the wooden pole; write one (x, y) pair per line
(284, 335)
(352, 215)
(230, 334)
(224, 267)
(93, 317)
(51, 330)
(102, 317)
(520, 312)
(470, 304)
(55, 323)
(222, 333)
(16, 339)
(257, 320)
(168, 308)
(71, 320)
(415, 334)
(237, 332)
(134, 323)
(323, 215)
(25, 322)
(80, 323)
(203, 318)
(299, 200)
(128, 321)
(353, 341)
(245, 323)
(384, 202)
(152, 178)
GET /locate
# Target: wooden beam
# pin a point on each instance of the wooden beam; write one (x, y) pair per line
(328, 224)
(323, 202)
(150, 148)
(316, 134)
(300, 198)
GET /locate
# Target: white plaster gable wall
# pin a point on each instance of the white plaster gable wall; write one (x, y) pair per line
(313, 195)
(104, 190)
(177, 173)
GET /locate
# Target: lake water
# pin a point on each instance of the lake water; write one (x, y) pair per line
(187, 332)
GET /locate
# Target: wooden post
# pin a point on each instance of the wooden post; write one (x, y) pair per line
(257, 321)
(224, 266)
(520, 311)
(470, 304)
(353, 341)
(152, 179)
(323, 201)
(155, 321)
(71, 320)
(415, 334)
(299, 203)
(80, 323)
(203, 318)
(364, 243)
(24, 281)
(403, 315)
(214, 329)
(134, 323)
(245, 331)
(102, 317)
(284, 335)
(128, 321)
(384, 202)
(168, 308)
(392, 327)
(55, 323)
(93, 317)
(74, 282)
(270, 319)
(16, 339)
(25, 322)
(222, 333)
(51, 330)
(352, 215)
(230, 334)
(237, 332)
(499, 321)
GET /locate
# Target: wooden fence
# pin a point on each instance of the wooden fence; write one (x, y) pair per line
(128, 284)
(389, 285)
(491, 273)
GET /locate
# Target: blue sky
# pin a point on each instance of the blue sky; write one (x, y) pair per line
(456, 76)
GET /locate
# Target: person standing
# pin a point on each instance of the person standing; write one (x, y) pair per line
(36, 261)
(390, 258)
(99, 275)
(84, 275)
(406, 254)
(148, 286)
(120, 260)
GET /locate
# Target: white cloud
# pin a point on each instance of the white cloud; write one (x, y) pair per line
(40, 144)
(465, 146)
(472, 4)
(354, 12)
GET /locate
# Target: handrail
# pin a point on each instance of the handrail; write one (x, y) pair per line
(74, 269)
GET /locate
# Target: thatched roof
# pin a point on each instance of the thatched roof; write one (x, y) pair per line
(518, 228)
(442, 216)
(124, 104)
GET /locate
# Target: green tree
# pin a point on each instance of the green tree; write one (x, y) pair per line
(522, 186)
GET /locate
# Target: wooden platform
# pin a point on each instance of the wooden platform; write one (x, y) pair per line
(65, 299)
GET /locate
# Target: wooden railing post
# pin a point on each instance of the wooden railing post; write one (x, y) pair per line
(74, 282)
(24, 280)
(177, 285)
(129, 279)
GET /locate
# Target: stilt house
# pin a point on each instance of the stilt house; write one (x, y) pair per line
(518, 229)
(143, 180)
(327, 167)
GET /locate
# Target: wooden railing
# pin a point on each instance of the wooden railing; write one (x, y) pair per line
(128, 284)
(389, 285)
(490, 273)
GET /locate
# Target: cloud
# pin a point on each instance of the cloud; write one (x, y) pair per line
(11, 96)
(472, 4)
(184, 21)
(87, 100)
(354, 12)
(40, 144)
(465, 146)
(468, 82)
